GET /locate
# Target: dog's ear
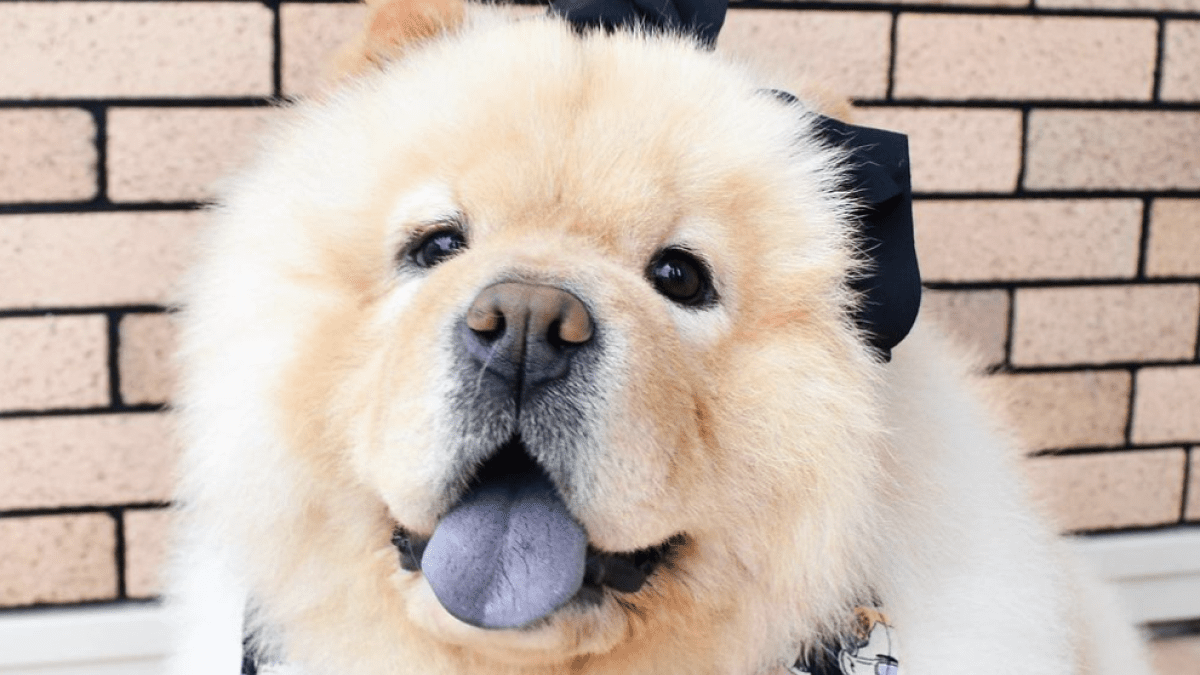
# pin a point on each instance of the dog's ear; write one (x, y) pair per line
(393, 27)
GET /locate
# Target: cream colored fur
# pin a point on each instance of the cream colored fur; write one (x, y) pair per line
(807, 476)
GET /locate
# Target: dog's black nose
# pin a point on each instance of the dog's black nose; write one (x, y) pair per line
(526, 333)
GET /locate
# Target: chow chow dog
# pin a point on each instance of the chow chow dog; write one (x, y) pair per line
(562, 344)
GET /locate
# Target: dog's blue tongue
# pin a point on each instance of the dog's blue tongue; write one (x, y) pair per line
(508, 554)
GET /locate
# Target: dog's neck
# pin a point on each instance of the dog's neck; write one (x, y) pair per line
(869, 648)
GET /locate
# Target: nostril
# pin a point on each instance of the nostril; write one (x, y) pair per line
(557, 338)
(486, 322)
(574, 327)
(493, 332)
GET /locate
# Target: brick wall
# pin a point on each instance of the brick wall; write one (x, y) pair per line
(1056, 153)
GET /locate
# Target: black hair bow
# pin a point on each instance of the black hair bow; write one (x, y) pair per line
(881, 181)
(702, 18)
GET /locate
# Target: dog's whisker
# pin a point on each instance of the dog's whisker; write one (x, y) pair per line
(483, 369)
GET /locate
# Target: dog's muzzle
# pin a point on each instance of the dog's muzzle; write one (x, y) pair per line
(509, 552)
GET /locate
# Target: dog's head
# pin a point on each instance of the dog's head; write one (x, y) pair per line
(536, 349)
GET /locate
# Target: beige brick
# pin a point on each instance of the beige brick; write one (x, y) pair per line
(1193, 503)
(53, 362)
(1173, 5)
(315, 33)
(955, 149)
(146, 535)
(1110, 490)
(1055, 411)
(57, 559)
(1167, 405)
(1180, 81)
(974, 240)
(178, 154)
(1176, 655)
(977, 320)
(85, 460)
(1174, 246)
(108, 49)
(312, 34)
(93, 259)
(1056, 326)
(990, 57)
(47, 155)
(843, 51)
(1104, 149)
(147, 344)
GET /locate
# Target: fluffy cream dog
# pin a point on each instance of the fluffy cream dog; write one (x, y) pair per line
(534, 353)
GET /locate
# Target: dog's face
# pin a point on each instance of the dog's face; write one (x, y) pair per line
(546, 338)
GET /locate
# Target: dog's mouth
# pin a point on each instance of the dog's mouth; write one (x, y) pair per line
(509, 553)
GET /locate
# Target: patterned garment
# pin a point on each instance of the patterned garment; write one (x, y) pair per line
(870, 650)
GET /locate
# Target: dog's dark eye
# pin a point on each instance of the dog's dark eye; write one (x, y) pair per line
(682, 278)
(437, 247)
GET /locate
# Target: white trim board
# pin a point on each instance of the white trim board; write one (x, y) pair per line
(115, 640)
(1157, 574)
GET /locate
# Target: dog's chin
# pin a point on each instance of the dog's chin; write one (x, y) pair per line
(576, 629)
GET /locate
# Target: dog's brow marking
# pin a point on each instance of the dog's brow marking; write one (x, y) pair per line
(429, 203)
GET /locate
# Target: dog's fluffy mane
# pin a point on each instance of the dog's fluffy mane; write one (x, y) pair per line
(273, 514)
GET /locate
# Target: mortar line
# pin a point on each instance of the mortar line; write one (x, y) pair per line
(119, 551)
(113, 320)
(150, 408)
(1109, 105)
(1024, 158)
(100, 117)
(893, 44)
(1144, 237)
(39, 607)
(1159, 60)
(80, 509)
(1027, 10)
(1010, 329)
(76, 311)
(1058, 283)
(1131, 404)
(1187, 474)
(1102, 449)
(276, 48)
